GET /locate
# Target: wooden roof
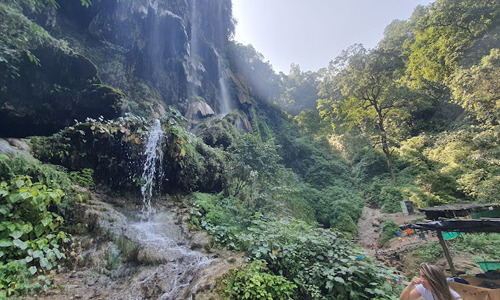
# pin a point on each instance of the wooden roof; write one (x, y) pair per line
(458, 207)
(485, 225)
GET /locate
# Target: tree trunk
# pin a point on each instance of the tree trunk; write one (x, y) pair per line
(388, 155)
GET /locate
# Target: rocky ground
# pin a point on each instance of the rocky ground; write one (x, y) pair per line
(114, 265)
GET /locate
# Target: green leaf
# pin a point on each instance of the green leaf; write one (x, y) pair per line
(44, 262)
(329, 285)
(16, 234)
(46, 221)
(53, 195)
(379, 292)
(37, 254)
(339, 279)
(58, 254)
(39, 229)
(32, 270)
(20, 244)
(19, 183)
(27, 228)
(5, 243)
(25, 195)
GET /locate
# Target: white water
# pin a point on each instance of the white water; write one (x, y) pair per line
(193, 60)
(152, 167)
(225, 107)
(162, 241)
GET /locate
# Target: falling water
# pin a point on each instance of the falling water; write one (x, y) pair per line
(193, 60)
(179, 265)
(161, 238)
(152, 167)
(224, 90)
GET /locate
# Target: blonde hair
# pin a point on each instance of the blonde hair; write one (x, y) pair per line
(437, 281)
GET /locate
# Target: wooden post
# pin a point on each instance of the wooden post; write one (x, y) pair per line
(446, 253)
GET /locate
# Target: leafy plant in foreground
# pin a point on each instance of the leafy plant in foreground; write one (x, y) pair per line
(322, 263)
(29, 232)
(254, 282)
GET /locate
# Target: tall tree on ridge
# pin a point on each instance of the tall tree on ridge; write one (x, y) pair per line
(362, 91)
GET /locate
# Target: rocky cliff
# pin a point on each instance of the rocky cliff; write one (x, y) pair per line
(114, 57)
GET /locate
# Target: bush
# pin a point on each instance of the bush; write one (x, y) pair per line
(223, 218)
(487, 244)
(254, 282)
(429, 252)
(83, 177)
(389, 229)
(32, 239)
(14, 279)
(339, 207)
(320, 261)
(28, 230)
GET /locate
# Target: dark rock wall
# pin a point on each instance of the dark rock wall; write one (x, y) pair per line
(158, 53)
(48, 97)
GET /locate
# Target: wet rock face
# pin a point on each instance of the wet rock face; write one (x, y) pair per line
(50, 96)
(171, 47)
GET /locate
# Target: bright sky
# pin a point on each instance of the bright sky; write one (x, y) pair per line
(311, 33)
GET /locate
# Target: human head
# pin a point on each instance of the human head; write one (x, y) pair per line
(435, 281)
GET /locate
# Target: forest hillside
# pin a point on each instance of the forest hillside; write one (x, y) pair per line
(145, 153)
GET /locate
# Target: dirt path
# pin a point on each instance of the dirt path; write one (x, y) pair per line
(369, 228)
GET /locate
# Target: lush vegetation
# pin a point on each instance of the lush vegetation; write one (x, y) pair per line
(416, 118)
(479, 246)
(35, 199)
(255, 282)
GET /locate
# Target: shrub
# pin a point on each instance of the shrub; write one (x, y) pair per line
(223, 218)
(254, 282)
(487, 244)
(429, 252)
(14, 279)
(320, 261)
(83, 177)
(389, 229)
(339, 207)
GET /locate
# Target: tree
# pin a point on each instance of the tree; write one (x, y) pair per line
(443, 37)
(299, 90)
(364, 93)
(477, 89)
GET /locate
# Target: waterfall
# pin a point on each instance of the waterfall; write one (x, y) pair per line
(224, 90)
(194, 63)
(152, 167)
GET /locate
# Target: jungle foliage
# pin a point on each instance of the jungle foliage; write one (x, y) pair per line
(425, 98)
(414, 119)
(36, 207)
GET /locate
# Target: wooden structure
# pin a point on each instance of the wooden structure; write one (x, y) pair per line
(473, 291)
(456, 210)
(467, 226)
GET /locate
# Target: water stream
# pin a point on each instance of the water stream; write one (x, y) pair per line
(163, 242)
(152, 173)
(161, 239)
(225, 107)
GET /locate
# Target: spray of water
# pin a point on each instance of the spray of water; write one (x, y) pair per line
(152, 167)
(225, 107)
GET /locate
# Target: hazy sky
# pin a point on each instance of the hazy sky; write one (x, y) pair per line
(311, 33)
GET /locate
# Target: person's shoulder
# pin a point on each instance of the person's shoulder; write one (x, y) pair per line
(423, 291)
(455, 295)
